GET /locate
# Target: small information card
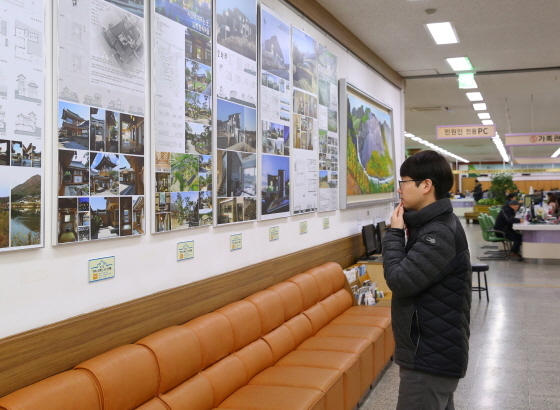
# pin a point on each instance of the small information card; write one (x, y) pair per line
(101, 268)
(235, 242)
(326, 223)
(303, 227)
(274, 233)
(185, 250)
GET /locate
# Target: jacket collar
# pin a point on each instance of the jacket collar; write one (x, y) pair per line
(414, 219)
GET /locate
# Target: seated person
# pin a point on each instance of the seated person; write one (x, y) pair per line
(504, 222)
(552, 201)
(511, 197)
(459, 194)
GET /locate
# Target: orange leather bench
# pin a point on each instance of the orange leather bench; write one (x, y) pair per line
(298, 345)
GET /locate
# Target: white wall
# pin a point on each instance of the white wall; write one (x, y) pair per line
(42, 286)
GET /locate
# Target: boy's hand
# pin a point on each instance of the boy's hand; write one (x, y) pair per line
(397, 220)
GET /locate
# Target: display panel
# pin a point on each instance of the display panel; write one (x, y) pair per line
(236, 111)
(305, 128)
(275, 110)
(183, 112)
(367, 149)
(100, 120)
(22, 124)
(328, 130)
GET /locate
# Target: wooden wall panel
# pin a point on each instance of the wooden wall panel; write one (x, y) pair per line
(37, 354)
(324, 19)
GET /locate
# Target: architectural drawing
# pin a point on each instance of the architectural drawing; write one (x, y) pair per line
(95, 101)
(27, 90)
(68, 95)
(3, 85)
(27, 125)
(2, 120)
(126, 39)
(115, 105)
(28, 42)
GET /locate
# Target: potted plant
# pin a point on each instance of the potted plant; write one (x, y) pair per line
(501, 185)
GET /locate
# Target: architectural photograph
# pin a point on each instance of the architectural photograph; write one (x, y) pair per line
(275, 184)
(236, 127)
(198, 47)
(5, 152)
(131, 175)
(184, 172)
(104, 217)
(198, 107)
(237, 26)
(304, 61)
(104, 175)
(236, 173)
(97, 129)
(184, 210)
(132, 134)
(194, 14)
(275, 47)
(67, 220)
(198, 138)
(73, 126)
(198, 77)
(73, 172)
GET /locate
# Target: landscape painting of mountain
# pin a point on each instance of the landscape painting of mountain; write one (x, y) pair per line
(369, 148)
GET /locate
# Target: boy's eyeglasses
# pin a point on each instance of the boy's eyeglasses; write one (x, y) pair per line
(409, 180)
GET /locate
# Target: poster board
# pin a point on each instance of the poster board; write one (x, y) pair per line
(182, 111)
(367, 149)
(22, 124)
(100, 128)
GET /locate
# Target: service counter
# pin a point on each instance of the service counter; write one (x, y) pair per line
(541, 242)
(463, 205)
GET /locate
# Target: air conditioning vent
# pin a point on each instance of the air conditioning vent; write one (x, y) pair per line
(429, 109)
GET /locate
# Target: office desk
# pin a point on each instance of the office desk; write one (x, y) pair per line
(460, 206)
(541, 242)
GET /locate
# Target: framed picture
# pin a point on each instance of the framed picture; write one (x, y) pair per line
(367, 152)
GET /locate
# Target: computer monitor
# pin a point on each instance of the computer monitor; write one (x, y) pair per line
(381, 228)
(371, 244)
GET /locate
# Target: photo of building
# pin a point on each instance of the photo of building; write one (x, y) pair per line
(237, 27)
(275, 184)
(198, 47)
(132, 134)
(73, 173)
(275, 48)
(236, 173)
(73, 126)
(67, 220)
(104, 175)
(97, 130)
(104, 217)
(131, 175)
(5, 152)
(236, 127)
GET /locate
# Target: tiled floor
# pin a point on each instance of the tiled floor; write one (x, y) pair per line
(514, 358)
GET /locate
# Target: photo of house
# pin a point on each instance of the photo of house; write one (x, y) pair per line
(132, 134)
(97, 129)
(104, 175)
(73, 126)
(125, 217)
(16, 153)
(131, 175)
(67, 220)
(112, 123)
(303, 132)
(104, 217)
(236, 173)
(198, 47)
(198, 138)
(73, 173)
(275, 184)
(138, 215)
(198, 77)
(184, 210)
(5, 152)
(184, 172)
(304, 61)
(31, 155)
(273, 138)
(236, 127)
(237, 209)
(275, 47)
(195, 14)
(162, 161)
(198, 107)
(237, 26)
(163, 181)
(163, 212)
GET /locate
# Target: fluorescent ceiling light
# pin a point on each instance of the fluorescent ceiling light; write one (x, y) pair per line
(460, 63)
(488, 122)
(556, 153)
(484, 116)
(435, 147)
(476, 96)
(467, 81)
(443, 33)
(479, 107)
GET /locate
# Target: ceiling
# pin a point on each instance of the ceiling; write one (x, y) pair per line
(512, 44)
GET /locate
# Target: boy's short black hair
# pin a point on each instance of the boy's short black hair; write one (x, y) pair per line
(429, 165)
(512, 195)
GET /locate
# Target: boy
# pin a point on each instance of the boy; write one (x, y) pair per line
(430, 277)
